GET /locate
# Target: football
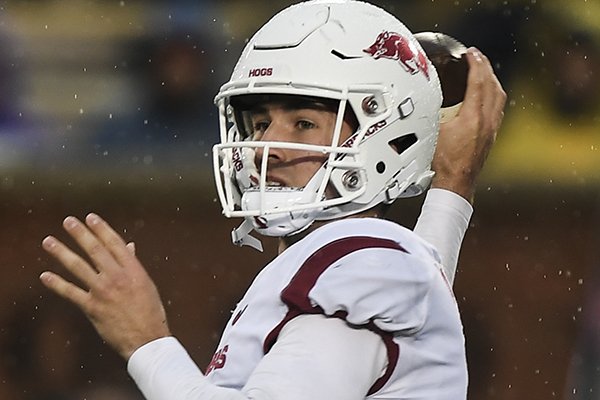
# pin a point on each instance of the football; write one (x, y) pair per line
(448, 57)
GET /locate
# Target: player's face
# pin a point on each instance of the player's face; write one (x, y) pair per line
(280, 123)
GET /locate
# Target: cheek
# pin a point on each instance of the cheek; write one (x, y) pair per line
(310, 162)
(304, 165)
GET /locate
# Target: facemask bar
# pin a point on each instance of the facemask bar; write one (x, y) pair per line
(228, 192)
(339, 156)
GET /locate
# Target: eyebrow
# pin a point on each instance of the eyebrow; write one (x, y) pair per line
(292, 106)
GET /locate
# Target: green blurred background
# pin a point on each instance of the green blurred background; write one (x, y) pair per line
(106, 106)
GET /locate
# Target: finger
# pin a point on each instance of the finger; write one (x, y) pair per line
(110, 239)
(475, 80)
(70, 260)
(485, 97)
(500, 96)
(66, 290)
(91, 244)
(494, 98)
(492, 85)
(131, 247)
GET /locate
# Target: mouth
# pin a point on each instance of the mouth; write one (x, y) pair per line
(270, 182)
(274, 182)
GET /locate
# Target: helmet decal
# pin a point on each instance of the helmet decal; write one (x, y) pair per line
(394, 46)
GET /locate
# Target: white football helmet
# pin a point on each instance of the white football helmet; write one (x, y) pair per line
(366, 60)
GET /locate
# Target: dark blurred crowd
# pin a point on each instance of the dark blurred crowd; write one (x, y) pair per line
(142, 95)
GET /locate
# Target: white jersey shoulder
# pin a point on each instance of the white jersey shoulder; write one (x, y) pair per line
(373, 274)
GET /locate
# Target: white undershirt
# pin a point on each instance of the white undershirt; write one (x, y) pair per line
(353, 358)
(443, 222)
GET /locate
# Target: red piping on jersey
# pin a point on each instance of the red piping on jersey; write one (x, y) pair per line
(295, 294)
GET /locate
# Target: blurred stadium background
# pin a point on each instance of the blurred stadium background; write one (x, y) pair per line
(106, 106)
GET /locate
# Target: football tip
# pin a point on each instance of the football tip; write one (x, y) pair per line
(448, 57)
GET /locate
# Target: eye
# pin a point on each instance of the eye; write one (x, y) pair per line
(305, 125)
(259, 127)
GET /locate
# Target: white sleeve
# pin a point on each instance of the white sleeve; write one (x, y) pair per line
(162, 369)
(443, 223)
(315, 357)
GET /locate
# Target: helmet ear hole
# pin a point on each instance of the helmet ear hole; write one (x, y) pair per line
(380, 167)
(402, 143)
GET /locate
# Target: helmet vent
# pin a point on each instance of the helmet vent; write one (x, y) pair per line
(402, 143)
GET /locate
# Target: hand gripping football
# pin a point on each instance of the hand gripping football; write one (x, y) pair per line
(448, 57)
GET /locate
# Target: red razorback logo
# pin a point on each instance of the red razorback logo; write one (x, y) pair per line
(397, 47)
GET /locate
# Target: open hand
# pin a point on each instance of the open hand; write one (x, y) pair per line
(117, 295)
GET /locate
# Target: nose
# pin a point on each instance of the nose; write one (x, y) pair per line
(275, 132)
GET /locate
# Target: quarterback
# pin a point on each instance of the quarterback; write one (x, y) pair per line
(331, 114)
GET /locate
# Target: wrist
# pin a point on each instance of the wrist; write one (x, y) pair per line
(463, 187)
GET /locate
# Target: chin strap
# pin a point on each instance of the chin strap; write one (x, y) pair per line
(241, 236)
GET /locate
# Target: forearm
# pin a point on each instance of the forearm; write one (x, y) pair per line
(443, 223)
(162, 369)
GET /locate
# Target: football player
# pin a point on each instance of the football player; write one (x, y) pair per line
(331, 114)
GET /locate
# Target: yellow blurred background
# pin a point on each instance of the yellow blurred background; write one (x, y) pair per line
(106, 106)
